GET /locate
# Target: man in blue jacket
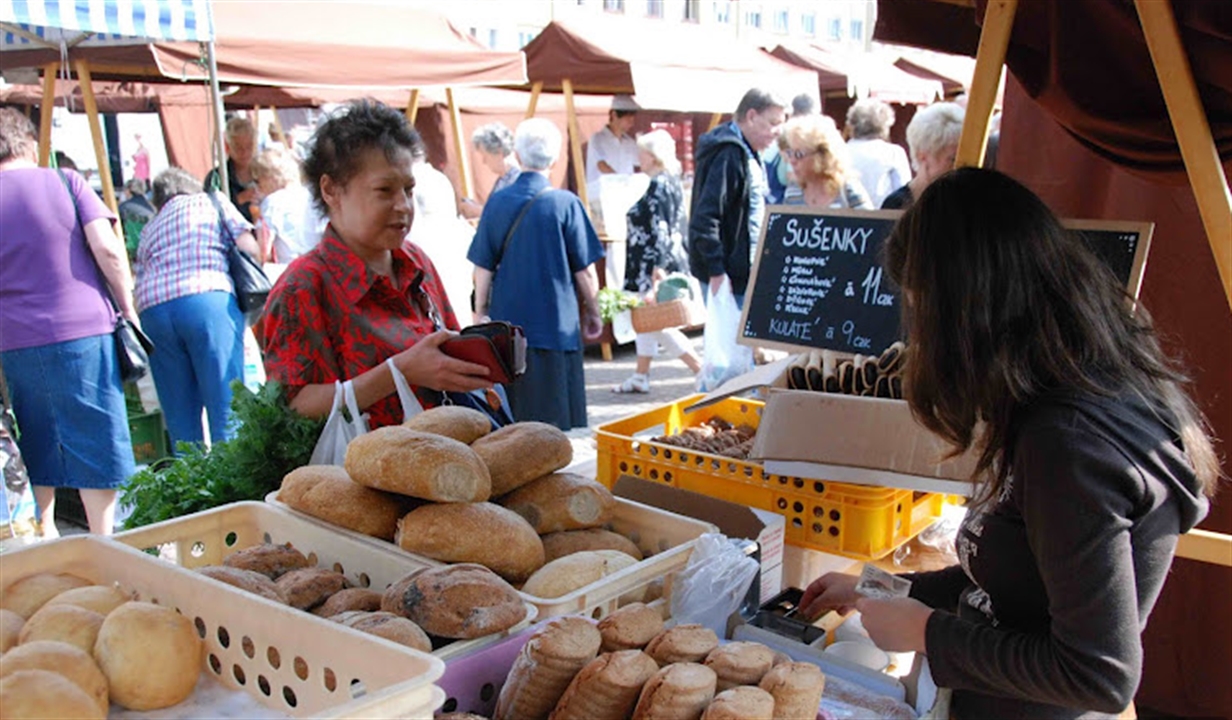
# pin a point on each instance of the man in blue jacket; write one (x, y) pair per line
(729, 192)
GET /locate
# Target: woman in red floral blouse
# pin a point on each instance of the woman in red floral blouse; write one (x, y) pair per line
(364, 294)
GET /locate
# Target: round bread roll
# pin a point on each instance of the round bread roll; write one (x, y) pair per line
(389, 626)
(740, 663)
(272, 561)
(10, 629)
(349, 599)
(521, 452)
(418, 464)
(631, 627)
(466, 425)
(28, 594)
(45, 695)
(150, 654)
(567, 542)
(544, 668)
(482, 533)
(73, 663)
(457, 601)
(607, 688)
(680, 691)
(308, 587)
(797, 688)
(66, 623)
(248, 580)
(742, 703)
(328, 493)
(564, 575)
(561, 501)
(102, 599)
(682, 644)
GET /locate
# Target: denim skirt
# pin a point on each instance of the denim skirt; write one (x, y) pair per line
(69, 404)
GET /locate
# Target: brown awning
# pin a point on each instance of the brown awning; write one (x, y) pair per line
(863, 75)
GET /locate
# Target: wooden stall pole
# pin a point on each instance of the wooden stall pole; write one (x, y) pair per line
(286, 141)
(412, 106)
(1193, 132)
(994, 39)
(96, 132)
(459, 142)
(1205, 546)
(534, 99)
(714, 121)
(575, 144)
(45, 113)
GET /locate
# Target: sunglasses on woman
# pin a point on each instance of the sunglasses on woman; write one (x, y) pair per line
(795, 154)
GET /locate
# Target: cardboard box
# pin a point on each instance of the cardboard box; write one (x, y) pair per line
(845, 438)
(733, 520)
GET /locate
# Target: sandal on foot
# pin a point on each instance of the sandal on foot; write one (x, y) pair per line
(635, 384)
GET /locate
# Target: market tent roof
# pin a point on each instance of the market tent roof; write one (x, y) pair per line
(93, 23)
(954, 72)
(863, 75)
(309, 44)
(666, 66)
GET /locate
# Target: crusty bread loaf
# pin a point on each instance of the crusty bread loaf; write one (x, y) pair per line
(631, 627)
(544, 668)
(521, 452)
(682, 644)
(269, 559)
(680, 691)
(607, 688)
(740, 663)
(466, 425)
(742, 703)
(253, 582)
(387, 625)
(561, 501)
(481, 533)
(567, 542)
(327, 492)
(422, 465)
(27, 595)
(308, 587)
(349, 599)
(796, 687)
(564, 575)
(456, 601)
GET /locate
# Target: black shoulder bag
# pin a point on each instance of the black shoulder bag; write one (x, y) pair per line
(252, 285)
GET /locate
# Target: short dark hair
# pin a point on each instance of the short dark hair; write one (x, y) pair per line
(137, 186)
(623, 113)
(758, 100)
(171, 183)
(803, 104)
(17, 136)
(64, 162)
(339, 143)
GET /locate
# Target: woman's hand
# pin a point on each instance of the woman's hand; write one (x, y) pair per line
(896, 625)
(832, 591)
(425, 365)
(592, 323)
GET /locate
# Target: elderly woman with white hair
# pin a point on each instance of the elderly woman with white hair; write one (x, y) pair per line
(657, 226)
(932, 136)
(534, 254)
(494, 142)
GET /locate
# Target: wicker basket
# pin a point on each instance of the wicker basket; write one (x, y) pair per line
(660, 316)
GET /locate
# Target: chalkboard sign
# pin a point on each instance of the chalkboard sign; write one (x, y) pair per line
(1123, 247)
(817, 282)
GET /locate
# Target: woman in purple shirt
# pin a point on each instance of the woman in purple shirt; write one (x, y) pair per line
(56, 327)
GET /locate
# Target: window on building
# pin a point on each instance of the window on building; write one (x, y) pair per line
(581, 3)
(808, 23)
(493, 37)
(752, 18)
(525, 36)
(654, 8)
(692, 10)
(836, 29)
(780, 21)
(722, 11)
(614, 5)
(857, 30)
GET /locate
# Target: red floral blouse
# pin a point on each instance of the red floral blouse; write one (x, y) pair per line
(330, 318)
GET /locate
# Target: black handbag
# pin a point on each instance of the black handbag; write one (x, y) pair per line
(252, 285)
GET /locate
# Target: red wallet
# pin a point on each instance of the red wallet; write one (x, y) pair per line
(498, 346)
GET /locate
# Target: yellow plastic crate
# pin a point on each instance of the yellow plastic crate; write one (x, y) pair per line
(858, 521)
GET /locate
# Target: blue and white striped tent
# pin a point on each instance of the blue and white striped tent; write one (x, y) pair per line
(30, 24)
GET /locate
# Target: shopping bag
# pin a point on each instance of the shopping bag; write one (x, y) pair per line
(723, 358)
(492, 402)
(340, 429)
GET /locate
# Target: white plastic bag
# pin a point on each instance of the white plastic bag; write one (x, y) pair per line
(339, 431)
(723, 357)
(410, 404)
(713, 583)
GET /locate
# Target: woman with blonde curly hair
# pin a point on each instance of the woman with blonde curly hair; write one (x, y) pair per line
(820, 165)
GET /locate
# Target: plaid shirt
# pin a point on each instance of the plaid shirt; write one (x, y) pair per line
(331, 318)
(182, 250)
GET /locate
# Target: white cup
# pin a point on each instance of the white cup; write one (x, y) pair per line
(851, 629)
(861, 653)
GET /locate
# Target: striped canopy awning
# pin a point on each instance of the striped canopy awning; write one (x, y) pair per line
(29, 24)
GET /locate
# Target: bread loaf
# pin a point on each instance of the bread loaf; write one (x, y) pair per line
(63, 623)
(564, 575)
(631, 627)
(10, 629)
(45, 695)
(27, 595)
(607, 688)
(544, 668)
(73, 663)
(457, 601)
(387, 625)
(466, 425)
(680, 691)
(270, 560)
(682, 644)
(559, 544)
(521, 452)
(102, 599)
(422, 465)
(151, 656)
(561, 501)
(481, 533)
(327, 492)
(740, 663)
(797, 689)
(349, 599)
(742, 703)
(308, 587)
(253, 582)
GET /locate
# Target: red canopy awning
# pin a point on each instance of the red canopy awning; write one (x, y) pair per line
(863, 75)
